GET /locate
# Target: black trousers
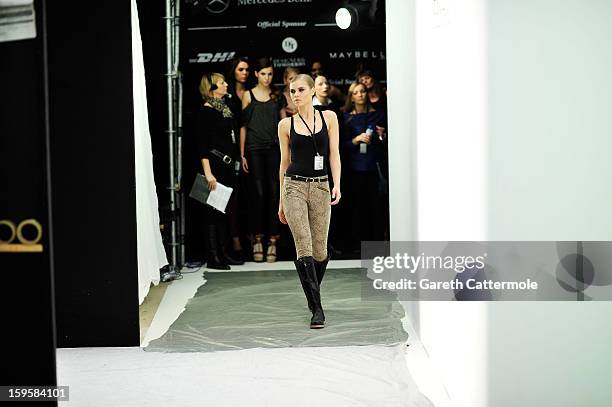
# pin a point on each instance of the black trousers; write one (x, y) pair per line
(226, 175)
(264, 190)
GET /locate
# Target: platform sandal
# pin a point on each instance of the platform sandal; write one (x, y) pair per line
(258, 249)
(271, 253)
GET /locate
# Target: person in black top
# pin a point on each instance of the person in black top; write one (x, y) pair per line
(308, 140)
(217, 141)
(363, 140)
(237, 79)
(237, 85)
(322, 101)
(262, 107)
(376, 94)
(289, 75)
(334, 93)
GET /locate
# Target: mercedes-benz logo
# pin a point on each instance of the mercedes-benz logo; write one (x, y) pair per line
(217, 6)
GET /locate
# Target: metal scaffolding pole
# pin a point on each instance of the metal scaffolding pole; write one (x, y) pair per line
(176, 24)
(179, 160)
(171, 74)
(179, 131)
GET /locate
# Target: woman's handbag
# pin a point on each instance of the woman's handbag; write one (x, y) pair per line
(199, 189)
(201, 193)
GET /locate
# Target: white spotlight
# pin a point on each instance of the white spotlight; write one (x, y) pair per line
(343, 18)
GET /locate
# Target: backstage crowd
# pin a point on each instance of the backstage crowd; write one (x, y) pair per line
(234, 141)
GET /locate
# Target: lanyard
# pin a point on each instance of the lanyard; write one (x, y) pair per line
(314, 125)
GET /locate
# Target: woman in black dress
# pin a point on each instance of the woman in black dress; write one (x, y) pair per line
(217, 137)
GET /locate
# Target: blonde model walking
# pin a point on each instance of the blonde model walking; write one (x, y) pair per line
(308, 141)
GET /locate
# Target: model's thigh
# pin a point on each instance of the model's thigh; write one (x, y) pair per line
(319, 213)
(294, 197)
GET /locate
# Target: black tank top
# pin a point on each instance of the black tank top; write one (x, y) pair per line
(303, 151)
(261, 120)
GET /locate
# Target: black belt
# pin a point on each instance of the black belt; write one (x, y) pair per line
(225, 158)
(307, 179)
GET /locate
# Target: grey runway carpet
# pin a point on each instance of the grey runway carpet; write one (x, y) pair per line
(267, 309)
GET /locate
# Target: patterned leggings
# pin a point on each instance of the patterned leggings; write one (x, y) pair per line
(307, 210)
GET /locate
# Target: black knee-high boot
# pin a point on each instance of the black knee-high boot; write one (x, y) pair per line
(308, 276)
(298, 267)
(321, 266)
(214, 260)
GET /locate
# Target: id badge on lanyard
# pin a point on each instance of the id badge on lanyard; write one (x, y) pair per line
(318, 162)
(318, 159)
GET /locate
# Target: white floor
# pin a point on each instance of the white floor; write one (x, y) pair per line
(335, 376)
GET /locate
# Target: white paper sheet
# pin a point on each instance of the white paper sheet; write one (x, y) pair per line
(219, 198)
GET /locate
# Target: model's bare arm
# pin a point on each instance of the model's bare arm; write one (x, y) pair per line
(210, 178)
(246, 99)
(283, 141)
(334, 153)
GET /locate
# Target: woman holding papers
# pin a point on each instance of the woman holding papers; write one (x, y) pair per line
(217, 135)
(308, 140)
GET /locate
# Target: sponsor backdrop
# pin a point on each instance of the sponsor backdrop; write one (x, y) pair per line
(292, 32)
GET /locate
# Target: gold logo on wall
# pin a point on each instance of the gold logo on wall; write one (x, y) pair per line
(15, 233)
